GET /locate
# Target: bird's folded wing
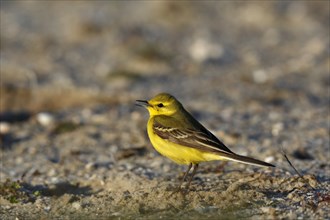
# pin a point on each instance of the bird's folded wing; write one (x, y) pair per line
(200, 140)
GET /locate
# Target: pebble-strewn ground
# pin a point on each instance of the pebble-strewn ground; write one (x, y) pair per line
(74, 145)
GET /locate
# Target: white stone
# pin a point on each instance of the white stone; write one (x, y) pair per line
(4, 128)
(45, 119)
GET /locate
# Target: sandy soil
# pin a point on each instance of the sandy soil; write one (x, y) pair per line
(74, 145)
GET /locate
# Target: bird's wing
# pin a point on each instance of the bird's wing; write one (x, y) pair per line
(202, 140)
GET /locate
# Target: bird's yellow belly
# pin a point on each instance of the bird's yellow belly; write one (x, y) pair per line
(177, 153)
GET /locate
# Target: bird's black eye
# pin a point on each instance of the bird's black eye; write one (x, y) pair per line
(160, 105)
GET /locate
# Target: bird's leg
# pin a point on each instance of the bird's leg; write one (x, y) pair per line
(195, 167)
(181, 182)
(184, 176)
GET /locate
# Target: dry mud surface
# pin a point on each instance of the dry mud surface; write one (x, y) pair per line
(74, 145)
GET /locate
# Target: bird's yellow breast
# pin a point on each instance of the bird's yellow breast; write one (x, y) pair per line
(178, 153)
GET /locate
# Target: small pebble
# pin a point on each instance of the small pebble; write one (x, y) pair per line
(260, 76)
(76, 205)
(90, 166)
(202, 50)
(51, 172)
(277, 128)
(4, 128)
(269, 159)
(45, 119)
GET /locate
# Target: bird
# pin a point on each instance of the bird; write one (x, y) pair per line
(177, 135)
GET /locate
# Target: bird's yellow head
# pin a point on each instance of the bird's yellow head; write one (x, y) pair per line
(161, 104)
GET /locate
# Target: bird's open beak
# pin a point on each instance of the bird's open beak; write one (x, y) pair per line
(142, 103)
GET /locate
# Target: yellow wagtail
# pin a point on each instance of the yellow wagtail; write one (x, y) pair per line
(176, 134)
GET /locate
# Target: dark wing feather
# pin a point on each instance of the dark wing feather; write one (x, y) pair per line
(204, 141)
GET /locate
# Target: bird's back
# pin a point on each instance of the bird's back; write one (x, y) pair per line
(185, 121)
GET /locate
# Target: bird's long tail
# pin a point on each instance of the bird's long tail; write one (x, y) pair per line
(248, 160)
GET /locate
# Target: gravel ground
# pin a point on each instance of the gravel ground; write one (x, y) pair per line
(74, 145)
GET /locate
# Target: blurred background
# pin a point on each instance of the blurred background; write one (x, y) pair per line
(61, 54)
